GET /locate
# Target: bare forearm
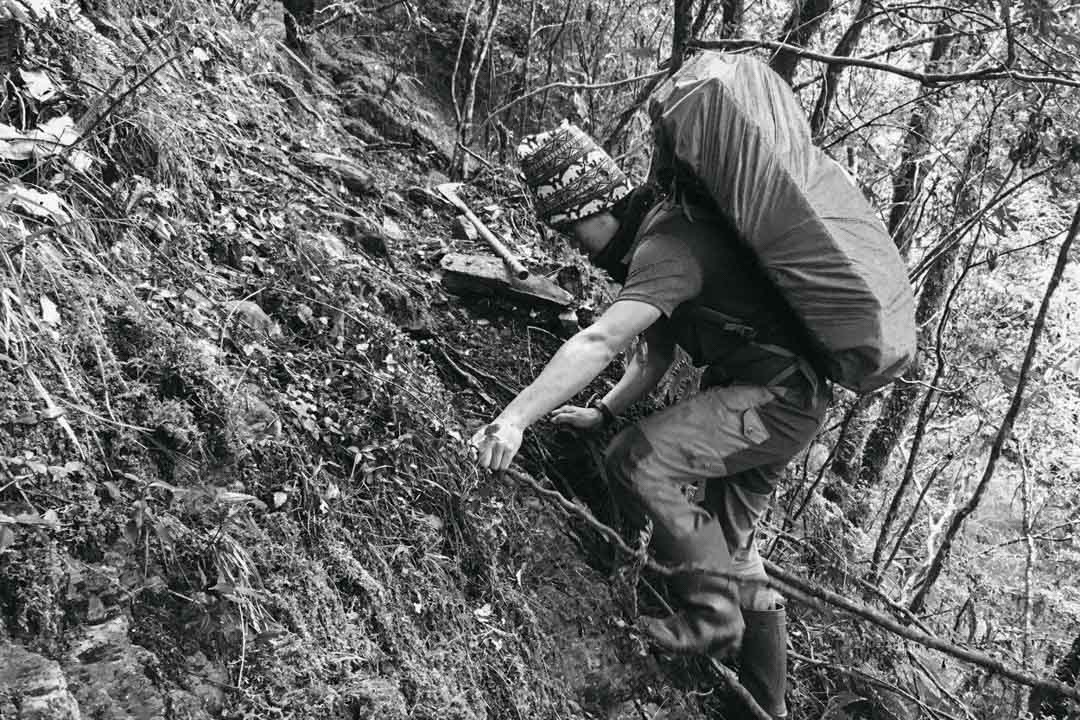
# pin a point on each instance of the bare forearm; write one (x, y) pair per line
(574, 366)
(640, 377)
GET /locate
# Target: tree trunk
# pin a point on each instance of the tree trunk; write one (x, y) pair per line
(907, 182)
(1043, 704)
(833, 70)
(733, 6)
(898, 407)
(933, 568)
(465, 126)
(701, 17)
(896, 412)
(909, 176)
(925, 413)
(732, 18)
(805, 18)
(298, 14)
(680, 34)
(849, 442)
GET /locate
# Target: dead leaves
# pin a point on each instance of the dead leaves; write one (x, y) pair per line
(14, 196)
(10, 523)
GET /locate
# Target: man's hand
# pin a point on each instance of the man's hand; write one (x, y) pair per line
(497, 444)
(582, 418)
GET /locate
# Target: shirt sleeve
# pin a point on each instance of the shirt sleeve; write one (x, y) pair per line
(663, 273)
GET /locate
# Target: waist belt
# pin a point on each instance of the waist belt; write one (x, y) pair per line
(799, 370)
(796, 376)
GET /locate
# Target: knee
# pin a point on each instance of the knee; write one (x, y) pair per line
(624, 455)
(754, 591)
(757, 596)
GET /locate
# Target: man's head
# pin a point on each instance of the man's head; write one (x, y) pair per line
(575, 184)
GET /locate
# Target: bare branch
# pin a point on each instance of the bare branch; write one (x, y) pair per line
(997, 72)
(957, 233)
(1010, 34)
(873, 680)
(848, 41)
(569, 86)
(958, 519)
(457, 63)
(814, 596)
(936, 37)
(1045, 535)
(701, 18)
(810, 594)
(933, 300)
(913, 514)
(1029, 556)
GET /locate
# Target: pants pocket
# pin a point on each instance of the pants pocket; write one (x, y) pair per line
(753, 428)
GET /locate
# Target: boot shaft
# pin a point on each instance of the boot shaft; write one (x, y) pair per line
(763, 658)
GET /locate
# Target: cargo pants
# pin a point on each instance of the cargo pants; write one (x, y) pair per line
(737, 439)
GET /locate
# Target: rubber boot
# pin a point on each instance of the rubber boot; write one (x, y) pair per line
(710, 622)
(763, 658)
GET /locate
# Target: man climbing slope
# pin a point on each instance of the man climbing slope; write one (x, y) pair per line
(687, 281)
(769, 267)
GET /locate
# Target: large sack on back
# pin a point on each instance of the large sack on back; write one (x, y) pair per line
(733, 126)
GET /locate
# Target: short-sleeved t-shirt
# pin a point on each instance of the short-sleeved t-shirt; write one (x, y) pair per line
(680, 265)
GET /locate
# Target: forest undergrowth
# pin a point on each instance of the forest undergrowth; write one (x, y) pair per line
(234, 399)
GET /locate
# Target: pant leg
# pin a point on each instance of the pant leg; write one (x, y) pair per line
(652, 461)
(740, 499)
(745, 431)
(738, 503)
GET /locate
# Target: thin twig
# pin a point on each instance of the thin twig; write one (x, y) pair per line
(568, 86)
(1029, 556)
(116, 103)
(1043, 536)
(901, 612)
(958, 233)
(932, 677)
(867, 677)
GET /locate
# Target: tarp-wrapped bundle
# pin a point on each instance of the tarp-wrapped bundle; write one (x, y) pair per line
(735, 127)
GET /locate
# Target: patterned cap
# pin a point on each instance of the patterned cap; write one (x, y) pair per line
(571, 176)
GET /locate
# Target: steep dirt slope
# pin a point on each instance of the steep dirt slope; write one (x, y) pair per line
(234, 396)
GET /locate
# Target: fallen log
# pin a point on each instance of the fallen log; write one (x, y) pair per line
(355, 179)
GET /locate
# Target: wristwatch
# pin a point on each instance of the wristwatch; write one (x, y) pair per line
(605, 411)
